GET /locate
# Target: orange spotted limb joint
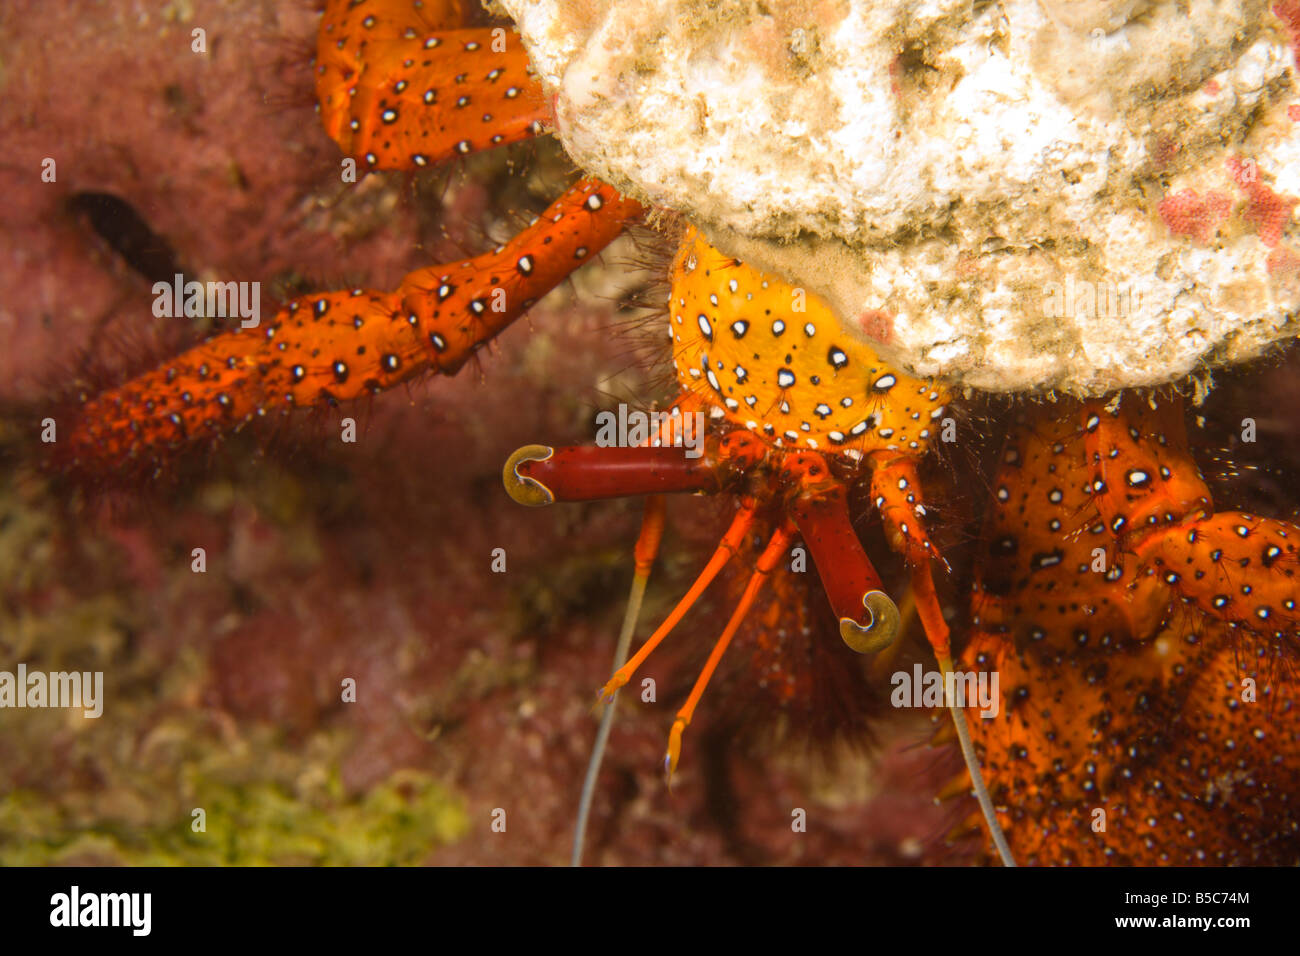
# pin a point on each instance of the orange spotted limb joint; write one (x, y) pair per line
(400, 86)
(336, 346)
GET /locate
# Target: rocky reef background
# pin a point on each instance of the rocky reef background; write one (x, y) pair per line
(324, 560)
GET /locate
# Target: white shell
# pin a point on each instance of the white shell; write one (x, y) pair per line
(977, 186)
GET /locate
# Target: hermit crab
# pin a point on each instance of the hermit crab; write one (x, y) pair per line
(1144, 640)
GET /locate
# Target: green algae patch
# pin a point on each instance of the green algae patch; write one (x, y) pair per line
(397, 822)
(170, 773)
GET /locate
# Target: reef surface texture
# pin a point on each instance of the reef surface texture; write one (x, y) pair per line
(1076, 195)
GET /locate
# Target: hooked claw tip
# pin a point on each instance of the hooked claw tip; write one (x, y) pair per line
(880, 633)
(523, 488)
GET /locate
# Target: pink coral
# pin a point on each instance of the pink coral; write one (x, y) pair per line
(1187, 213)
(1269, 211)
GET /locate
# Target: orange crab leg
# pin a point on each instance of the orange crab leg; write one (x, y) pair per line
(767, 561)
(1066, 625)
(1142, 478)
(650, 536)
(457, 308)
(400, 87)
(730, 544)
(1236, 567)
(336, 346)
(895, 489)
(931, 615)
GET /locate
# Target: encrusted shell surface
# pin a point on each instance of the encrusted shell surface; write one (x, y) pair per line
(1068, 194)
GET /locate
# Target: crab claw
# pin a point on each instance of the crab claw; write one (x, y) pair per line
(822, 514)
(540, 475)
(523, 488)
(880, 632)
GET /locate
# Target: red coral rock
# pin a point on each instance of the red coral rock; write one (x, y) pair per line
(878, 324)
(1269, 211)
(1283, 264)
(1187, 213)
(1288, 11)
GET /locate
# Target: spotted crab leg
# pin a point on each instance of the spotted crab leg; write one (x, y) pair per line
(336, 346)
(895, 491)
(1253, 583)
(895, 488)
(401, 86)
(1237, 567)
(1125, 685)
(767, 561)
(458, 308)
